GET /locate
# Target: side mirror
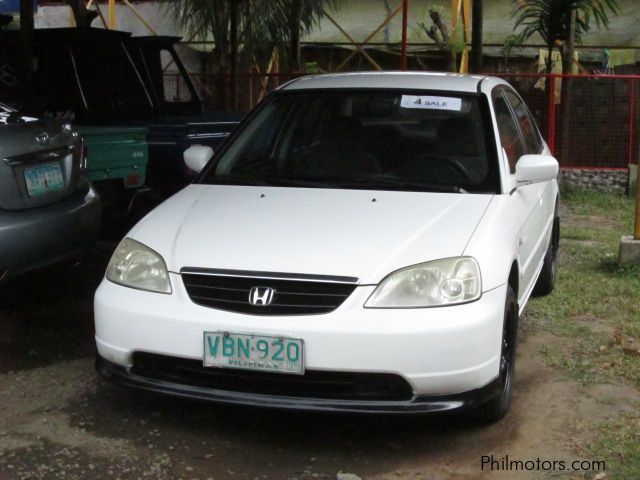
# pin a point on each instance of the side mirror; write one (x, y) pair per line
(536, 169)
(197, 156)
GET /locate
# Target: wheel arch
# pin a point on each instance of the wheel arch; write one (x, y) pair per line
(514, 278)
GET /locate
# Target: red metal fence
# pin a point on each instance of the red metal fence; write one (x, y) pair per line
(589, 121)
(216, 92)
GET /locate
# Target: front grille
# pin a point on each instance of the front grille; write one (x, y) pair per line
(294, 295)
(313, 384)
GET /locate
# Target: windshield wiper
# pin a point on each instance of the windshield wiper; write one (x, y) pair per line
(266, 181)
(300, 182)
(377, 182)
(238, 180)
(366, 183)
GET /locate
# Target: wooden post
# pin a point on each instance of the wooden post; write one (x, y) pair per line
(112, 14)
(466, 35)
(636, 230)
(233, 61)
(405, 19)
(551, 117)
(456, 6)
(632, 111)
(27, 65)
(476, 36)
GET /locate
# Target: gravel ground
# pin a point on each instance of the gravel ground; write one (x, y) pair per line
(58, 420)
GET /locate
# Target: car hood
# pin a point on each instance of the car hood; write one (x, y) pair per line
(355, 233)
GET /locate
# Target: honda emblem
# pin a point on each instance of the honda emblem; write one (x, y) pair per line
(261, 296)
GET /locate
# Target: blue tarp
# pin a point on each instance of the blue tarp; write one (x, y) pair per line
(13, 6)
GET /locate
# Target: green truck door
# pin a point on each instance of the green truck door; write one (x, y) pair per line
(117, 153)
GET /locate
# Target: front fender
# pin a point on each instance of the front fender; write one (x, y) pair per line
(494, 243)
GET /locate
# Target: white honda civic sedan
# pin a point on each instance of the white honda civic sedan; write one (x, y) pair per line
(363, 243)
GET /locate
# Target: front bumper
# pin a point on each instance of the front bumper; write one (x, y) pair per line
(32, 239)
(438, 351)
(426, 404)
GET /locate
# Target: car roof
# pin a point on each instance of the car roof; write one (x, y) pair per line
(393, 80)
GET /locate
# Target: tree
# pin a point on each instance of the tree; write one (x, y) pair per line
(562, 23)
(290, 19)
(553, 21)
(261, 25)
(439, 33)
(81, 13)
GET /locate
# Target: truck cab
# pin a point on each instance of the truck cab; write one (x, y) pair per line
(113, 87)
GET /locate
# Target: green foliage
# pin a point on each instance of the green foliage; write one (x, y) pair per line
(262, 24)
(458, 44)
(551, 18)
(618, 441)
(313, 67)
(509, 44)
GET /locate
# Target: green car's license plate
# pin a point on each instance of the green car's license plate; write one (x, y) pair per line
(43, 179)
(254, 352)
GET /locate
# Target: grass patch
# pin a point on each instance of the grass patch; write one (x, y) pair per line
(596, 303)
(595, 312)
(617, 441)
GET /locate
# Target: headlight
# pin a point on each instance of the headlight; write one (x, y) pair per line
(137, 266)
(449, 281)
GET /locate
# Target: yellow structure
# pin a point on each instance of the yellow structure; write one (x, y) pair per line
(111, 21)
(461, 13)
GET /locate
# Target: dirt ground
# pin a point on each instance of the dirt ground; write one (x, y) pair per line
(58, 420)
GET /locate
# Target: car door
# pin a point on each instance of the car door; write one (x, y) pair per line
(547, 191)
(527, 201)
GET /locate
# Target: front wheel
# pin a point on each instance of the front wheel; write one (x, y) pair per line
(496, 408)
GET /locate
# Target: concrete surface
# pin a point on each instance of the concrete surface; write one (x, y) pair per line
(629, 253)
(633, 178)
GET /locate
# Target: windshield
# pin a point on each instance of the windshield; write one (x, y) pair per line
(382, 140)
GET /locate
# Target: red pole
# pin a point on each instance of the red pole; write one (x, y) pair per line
(632, 118)
(551, 119)
(405, 18)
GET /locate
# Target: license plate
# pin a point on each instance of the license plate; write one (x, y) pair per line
(254, 352)
(43, 179)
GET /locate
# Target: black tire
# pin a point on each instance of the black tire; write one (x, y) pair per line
(547, 279)
(496, 408)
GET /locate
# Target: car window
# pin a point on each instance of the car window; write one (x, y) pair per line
(530, 134)
(122, 96)
(174, 88)
(508, 129)
(392, 140)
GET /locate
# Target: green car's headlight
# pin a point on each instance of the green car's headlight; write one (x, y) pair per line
(449, 281)
(137, 266)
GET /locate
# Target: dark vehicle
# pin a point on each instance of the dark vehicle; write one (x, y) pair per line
(178, 120)
(48, 208)
(86, 77)
(113, 87)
